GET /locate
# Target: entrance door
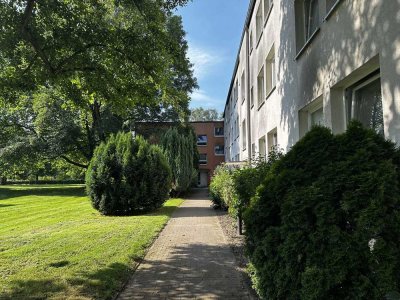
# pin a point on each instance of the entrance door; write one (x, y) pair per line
(203, 178)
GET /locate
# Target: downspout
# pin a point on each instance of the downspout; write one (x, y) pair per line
(248, 95)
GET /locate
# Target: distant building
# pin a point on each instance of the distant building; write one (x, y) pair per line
(210, 143)
(306, 62)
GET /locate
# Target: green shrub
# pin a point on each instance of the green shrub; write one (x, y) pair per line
(127, 176)
(247, 179)
(325, 224)
(222, 191)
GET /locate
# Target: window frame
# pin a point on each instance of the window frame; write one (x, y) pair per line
(268, 13)
(259, 26)
(215, 131)
(203, 162)
(223, 150)
(202, 145)
(272, 67)
(303, 40)
(261, 72)
(349, 115)
(244, 135)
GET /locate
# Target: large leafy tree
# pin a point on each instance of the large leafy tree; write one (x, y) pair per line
(205, 114)
(72, 72)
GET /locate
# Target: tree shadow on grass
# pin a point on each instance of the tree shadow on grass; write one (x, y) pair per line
(32, 289)
(104, 283)
(7, 193)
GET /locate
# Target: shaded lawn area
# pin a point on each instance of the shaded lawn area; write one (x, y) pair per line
(53, 244)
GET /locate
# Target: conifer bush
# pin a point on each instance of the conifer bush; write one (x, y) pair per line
(325, 223)
(127, 176)
(180, 149)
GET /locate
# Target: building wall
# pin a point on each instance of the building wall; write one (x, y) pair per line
(356, 39)
(213, 159)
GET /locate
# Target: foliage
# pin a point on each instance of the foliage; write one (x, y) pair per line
(74, 72)
(74, 252)
(222, 190)
(201, 114)
(247, 179)
(127, 176)
(325, 222)
(232, 187)
(180, 147)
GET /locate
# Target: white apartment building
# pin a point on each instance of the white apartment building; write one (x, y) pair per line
(305, 62)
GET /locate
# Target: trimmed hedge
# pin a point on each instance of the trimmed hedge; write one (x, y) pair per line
(325, 224)
(127, 176)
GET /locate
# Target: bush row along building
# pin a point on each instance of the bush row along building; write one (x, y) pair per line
(307, 62)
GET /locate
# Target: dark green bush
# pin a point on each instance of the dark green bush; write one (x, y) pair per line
(325, 224)
(127, 176)
(247, 179)
(180, 149)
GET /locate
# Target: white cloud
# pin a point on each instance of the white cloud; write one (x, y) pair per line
(204, 60)
(201, 98)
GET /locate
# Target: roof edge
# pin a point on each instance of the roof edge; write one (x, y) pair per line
(246, 26)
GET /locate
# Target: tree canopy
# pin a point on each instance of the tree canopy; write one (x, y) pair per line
(74, 71)
(201, 114)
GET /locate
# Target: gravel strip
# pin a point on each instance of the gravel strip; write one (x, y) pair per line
(237, 243)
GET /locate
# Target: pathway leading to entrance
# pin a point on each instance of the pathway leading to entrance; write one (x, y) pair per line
(191, 259)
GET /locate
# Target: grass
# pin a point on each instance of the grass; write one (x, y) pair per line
(53, 244)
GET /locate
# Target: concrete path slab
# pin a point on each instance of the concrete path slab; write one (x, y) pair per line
(191, 259)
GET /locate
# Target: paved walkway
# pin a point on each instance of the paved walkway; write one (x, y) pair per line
(190, 259)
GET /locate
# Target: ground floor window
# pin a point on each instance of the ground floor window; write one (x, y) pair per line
(364, 103)
(262, 148)
(203, 159)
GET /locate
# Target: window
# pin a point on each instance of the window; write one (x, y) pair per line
(253, 150)
(267, 9)
(259, 22)
(260, 87)
(235, 93)
(307, 21)
(272, 140)
(219, 150)
(203, 159)
(312, 114)
(251, 42)
(202, 140)
(252, 97)
(237, 127)
(365, 103)
(270, 71)
(331, 4)
(219, 131)
(244, 135)
(242, 87)
(317, 117)
(237, 157)
(262, 147)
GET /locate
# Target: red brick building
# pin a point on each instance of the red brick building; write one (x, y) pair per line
(210, 143)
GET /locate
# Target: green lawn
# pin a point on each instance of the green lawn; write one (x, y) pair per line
(53, 244)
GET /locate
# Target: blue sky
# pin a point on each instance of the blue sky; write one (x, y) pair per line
(214, 29)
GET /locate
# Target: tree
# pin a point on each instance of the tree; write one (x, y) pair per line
(180, 150)
(201, 114)
(73, 72)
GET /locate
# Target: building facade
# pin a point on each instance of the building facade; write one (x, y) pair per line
(210, 143)
(307, 62)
